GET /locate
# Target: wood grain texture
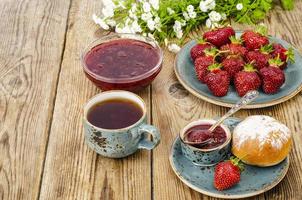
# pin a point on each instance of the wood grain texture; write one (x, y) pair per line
(31, 45)
(180, 108)
(72, 169)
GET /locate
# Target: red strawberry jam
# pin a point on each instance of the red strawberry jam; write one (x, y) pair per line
(122, 64)
(201, 133)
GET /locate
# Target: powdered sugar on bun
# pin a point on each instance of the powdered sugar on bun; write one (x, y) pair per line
(263, 128)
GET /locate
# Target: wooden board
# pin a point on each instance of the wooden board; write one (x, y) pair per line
(72, 170)
(42, 93)
(31, 45)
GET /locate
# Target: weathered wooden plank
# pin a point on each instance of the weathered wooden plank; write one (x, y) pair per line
(31, 44)
(180, 108)
(72, 170)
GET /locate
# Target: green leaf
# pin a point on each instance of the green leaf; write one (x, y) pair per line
(287, 4)
(258, 15)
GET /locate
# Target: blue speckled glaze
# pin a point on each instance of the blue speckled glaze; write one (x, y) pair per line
(206, 157)
(254, 180)
(119, 143)
(184, 68)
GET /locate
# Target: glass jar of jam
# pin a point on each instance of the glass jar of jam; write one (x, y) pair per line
(122, 62)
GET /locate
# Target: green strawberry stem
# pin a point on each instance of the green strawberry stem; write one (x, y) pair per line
(235, 40)
(200, 40)
(261, 29)
(290, 55)
(211, 51)
(214, 67)
(266, 49)
(275, 62)
(249, 67)
(237, 162)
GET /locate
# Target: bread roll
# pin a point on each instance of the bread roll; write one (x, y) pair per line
(261, 140)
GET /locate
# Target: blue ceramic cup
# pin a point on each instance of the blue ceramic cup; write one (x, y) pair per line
(118, 143)
(205, 157)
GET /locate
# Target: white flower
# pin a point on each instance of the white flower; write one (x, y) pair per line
(208, 23)
(203, 6)
(211, 24)
(214, 16)
(100, 22)
(146, 16)
(155, 4)
(211, 4)
(108, 12)
(239, 6)
(125, 29)
(151, 36)
(174, 48)
(223, 16)
(133, 7)
(179, 34)
(192, 15)
(132, 15)
(146, 7)
(170, 11)
(206, 5)
(151, 24)
(190, 8)
(157, 23)
(111, 22)
(177, 26)
(136, 27)
(186, 16)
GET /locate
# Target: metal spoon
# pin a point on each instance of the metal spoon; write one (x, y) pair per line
(246, 99)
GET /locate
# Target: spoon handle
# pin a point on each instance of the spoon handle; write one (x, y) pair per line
(246, 99)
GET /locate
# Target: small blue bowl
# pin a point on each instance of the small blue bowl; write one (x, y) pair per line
(205, 157)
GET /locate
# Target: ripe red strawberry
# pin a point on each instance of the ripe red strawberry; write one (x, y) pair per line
(259, 58)
(202, 62)
(219, 36)
(273, 77)
(234, 48)
(247, 80)
(198, 49)
(217, 80)
(284, 54)
(227, 174)
(255, 39)
(232, 65)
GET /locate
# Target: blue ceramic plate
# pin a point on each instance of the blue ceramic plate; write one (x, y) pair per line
(184, 70)
(254, 180)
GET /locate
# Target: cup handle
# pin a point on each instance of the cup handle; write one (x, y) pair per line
(144, 130)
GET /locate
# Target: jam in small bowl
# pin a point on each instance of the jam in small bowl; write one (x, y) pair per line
(122, 61)
(209, 153)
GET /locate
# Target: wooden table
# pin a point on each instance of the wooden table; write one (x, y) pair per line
(42, 92)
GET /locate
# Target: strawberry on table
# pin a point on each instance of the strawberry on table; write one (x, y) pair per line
(286, 55)
(202, 62)
(217, 80)
(198, 49)
(234, 48)
(219, 36)
(227, 173)
(233, 64)
(259, 58)
(273, 77)
(255, 39)
(247, 80)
